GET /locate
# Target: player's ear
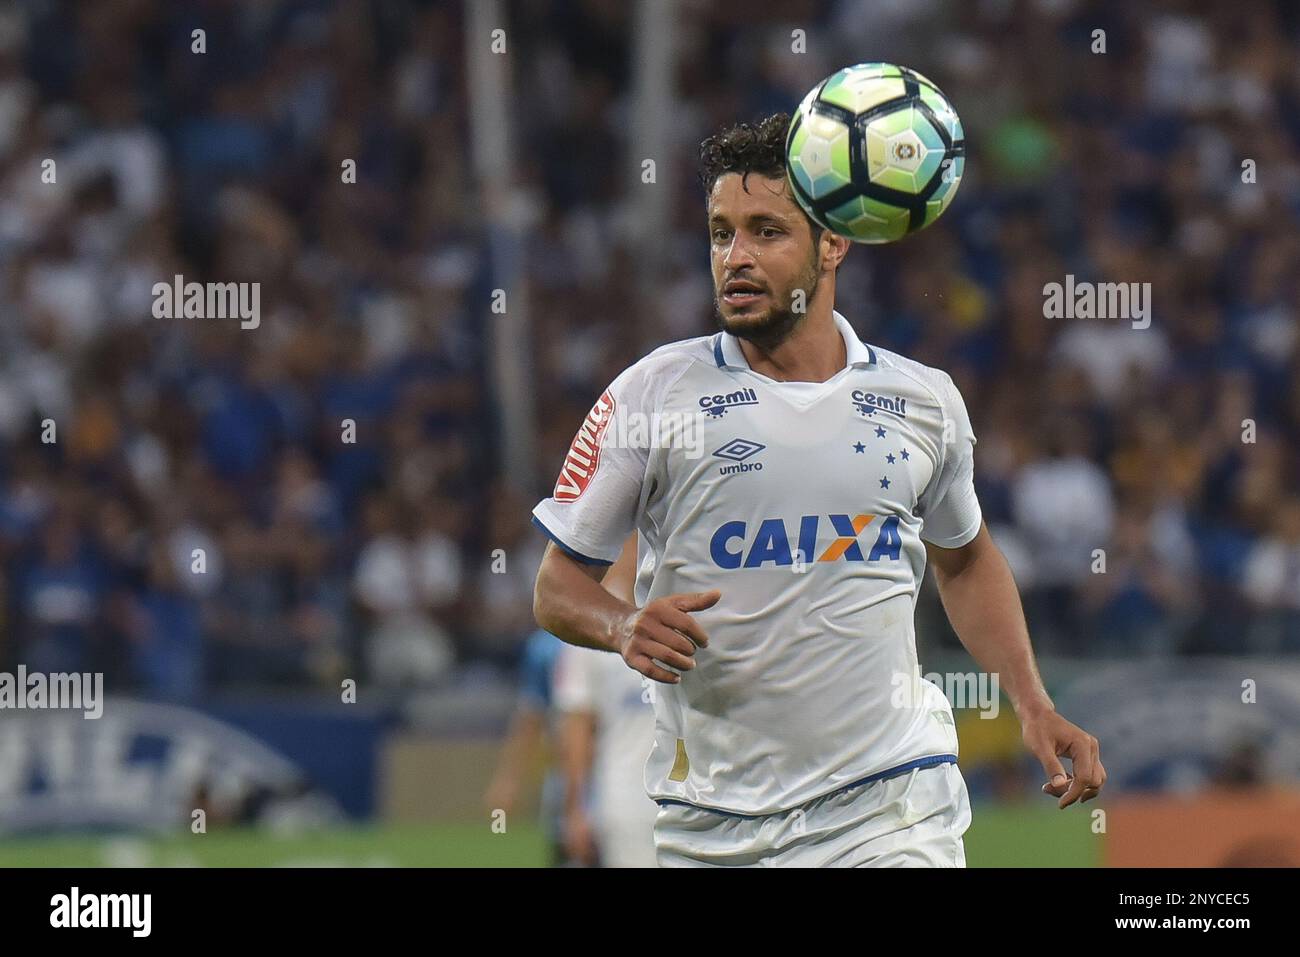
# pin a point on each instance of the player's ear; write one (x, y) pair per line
(835, 247)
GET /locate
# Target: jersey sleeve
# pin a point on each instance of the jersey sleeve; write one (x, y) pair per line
(575, 679)
(951, 513)
(593, 507)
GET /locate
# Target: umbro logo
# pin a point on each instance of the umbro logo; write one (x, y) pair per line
(737, 450)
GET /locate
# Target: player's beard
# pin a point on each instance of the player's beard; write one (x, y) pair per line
(769, 331)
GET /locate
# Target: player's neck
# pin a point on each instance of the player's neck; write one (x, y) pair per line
(813, 352)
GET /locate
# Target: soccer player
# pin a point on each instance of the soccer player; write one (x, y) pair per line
(780, 559)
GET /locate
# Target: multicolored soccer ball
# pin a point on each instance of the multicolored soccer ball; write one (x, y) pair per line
(875, 152)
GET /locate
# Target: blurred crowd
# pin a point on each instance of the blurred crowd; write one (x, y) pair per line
(191, 506)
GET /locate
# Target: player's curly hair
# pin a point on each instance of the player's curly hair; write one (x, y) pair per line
(749, 148)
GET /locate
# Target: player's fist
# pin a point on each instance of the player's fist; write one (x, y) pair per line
(664, 633)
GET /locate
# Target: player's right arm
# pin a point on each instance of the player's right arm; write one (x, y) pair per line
(588, 518)
(570, 602)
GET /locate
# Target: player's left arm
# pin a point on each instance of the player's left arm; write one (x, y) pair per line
(983, 604)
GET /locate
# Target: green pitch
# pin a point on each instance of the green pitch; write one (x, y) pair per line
(438, 845)
(1005, 836)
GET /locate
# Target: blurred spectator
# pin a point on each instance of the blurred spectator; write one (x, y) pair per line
(167, 643)
(398, 580)
(58, 593)
(1271, 578)
(504, 582)
(1137, 603)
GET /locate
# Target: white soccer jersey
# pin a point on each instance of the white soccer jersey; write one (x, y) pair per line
(805, 504)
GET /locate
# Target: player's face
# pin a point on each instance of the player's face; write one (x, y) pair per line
(765, 264)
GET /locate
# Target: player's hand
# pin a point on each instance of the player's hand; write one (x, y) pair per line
(1049, 737)
(664, 631)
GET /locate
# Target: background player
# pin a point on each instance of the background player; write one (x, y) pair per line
(531, 741)
(606, 734)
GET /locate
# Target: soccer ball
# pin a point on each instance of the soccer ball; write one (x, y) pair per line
(875, 152)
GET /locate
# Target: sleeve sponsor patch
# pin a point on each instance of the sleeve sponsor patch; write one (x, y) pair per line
(583, 457)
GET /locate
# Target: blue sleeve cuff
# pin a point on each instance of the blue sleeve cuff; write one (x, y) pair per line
(571, 552)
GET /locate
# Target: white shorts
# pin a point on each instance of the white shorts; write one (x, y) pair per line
(916, 819)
